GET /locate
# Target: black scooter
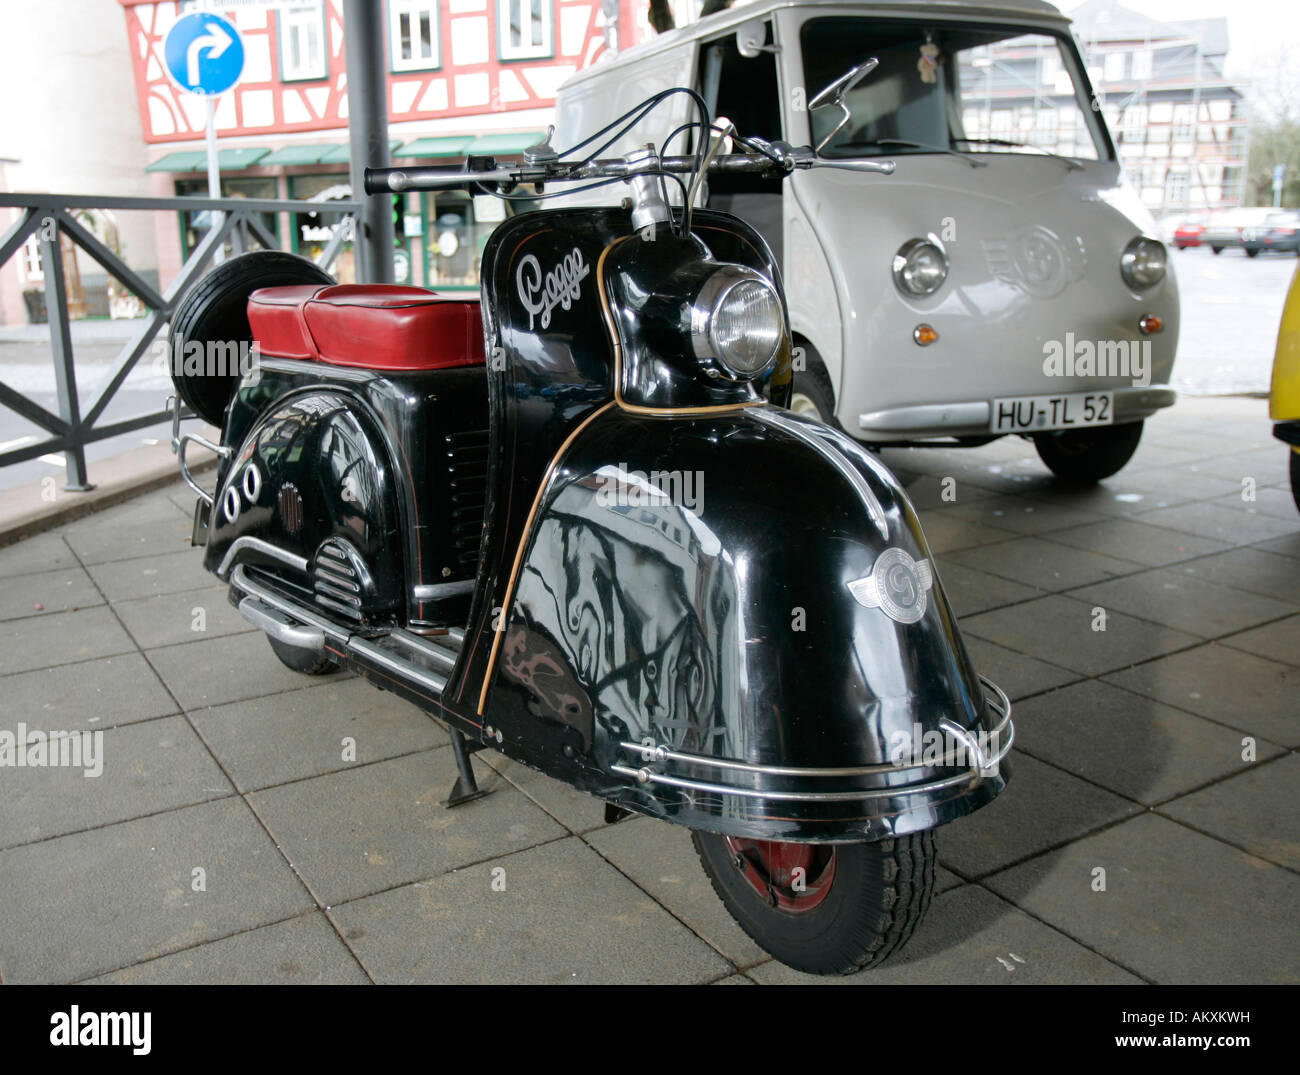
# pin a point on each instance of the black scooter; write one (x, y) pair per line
(574, 523)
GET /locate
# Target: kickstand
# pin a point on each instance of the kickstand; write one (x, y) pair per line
(466, 787)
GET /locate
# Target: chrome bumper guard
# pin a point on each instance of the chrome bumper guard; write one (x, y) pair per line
(986, 750)
(181, 440)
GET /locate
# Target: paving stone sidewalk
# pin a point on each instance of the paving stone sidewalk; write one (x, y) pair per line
(314, 868)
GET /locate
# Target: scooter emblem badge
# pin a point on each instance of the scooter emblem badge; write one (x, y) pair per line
(897, 586)
(541, 292)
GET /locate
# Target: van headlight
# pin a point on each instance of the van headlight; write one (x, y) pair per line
(1143, 263)
(737, 321)
(920, 267)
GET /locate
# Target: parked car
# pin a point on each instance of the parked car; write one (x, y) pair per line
(1223, 232)
(1188, 232)
(1280, 231)
(1284, 392)
(950, 301)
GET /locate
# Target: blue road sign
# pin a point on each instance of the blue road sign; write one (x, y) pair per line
(204, 53)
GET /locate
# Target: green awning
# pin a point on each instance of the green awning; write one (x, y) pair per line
(196, 160)
(505, 145)
(232, 160)
(343, 154)
(301, 154)
(453, 145)
(186, 161)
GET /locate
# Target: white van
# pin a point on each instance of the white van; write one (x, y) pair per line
(1002, 280)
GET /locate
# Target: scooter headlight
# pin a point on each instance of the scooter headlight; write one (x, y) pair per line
(920, 267)
(737, 321)
(1143, 263)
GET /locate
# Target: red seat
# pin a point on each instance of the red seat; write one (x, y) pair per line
(372, 326)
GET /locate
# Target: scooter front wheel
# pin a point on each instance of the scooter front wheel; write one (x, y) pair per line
(823, 908)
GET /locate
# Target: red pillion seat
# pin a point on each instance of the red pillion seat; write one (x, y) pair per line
(370, 326)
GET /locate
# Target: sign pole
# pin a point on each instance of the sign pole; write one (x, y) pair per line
(214, 173)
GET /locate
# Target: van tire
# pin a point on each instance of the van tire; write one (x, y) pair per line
(1084, 456)
(1217, 249)
(216, 309)
(812, 393)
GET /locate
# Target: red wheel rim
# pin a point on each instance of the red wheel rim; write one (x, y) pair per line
(790, 877)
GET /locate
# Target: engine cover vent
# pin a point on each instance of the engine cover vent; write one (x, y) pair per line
(336, 576)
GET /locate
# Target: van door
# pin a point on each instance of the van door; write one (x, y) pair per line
(745, 89)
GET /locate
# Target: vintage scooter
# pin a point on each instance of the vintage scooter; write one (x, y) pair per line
(573, 523)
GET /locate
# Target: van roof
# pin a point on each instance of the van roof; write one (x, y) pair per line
(743, 12)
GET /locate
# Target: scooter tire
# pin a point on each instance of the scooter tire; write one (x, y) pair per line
(297, 659)
(878, 896)
(215, 310)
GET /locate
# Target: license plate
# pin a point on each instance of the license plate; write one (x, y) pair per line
(1031, 414)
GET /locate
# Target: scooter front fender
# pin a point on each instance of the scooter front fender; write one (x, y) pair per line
(737, 623)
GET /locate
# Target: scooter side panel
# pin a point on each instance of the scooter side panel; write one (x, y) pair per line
(668, 597)
(312, 470)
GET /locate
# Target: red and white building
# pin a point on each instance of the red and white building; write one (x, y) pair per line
(465, 76)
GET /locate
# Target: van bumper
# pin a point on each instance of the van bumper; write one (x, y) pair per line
(974, 418)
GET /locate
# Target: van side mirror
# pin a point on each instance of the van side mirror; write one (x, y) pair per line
(751, 39)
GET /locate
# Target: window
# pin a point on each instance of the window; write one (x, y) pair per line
(1176, 187)
(1142, 65)
(302, 43)
(1184, 122)
(413, 30)
(32, 268)
(1116, 63)
(525, 29)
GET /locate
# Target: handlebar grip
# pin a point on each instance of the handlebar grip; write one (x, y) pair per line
(396, 180)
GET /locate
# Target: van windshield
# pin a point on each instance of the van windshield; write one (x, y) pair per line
(969, 88)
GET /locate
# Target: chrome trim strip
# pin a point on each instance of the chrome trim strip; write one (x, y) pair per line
(240, 581)
(436, 591)
(266, 548)
(440, 655)
(986, 764)
(278, 625)
(403, 669)
(648, 776)
(800, 431)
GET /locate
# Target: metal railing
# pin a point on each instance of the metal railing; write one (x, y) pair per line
(50, 218)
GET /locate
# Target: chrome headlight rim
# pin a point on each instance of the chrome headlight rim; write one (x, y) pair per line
(709, 301)
(903, 259)
(1137, 274)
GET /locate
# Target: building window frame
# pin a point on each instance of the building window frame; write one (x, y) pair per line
(413, 10)
(296, 18)
(540, 11)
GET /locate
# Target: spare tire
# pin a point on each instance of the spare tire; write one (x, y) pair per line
(216, 312)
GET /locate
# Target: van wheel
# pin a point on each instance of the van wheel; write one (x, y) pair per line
(306, 661)
(1252, 253)
(215, 310)
(812, 393)
(1295, 479)
(855, 904)
(1088, 455)
(1217, 249)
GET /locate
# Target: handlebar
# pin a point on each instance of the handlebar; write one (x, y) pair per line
(783, 160)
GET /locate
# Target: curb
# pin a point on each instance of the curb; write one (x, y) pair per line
(24, 511)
